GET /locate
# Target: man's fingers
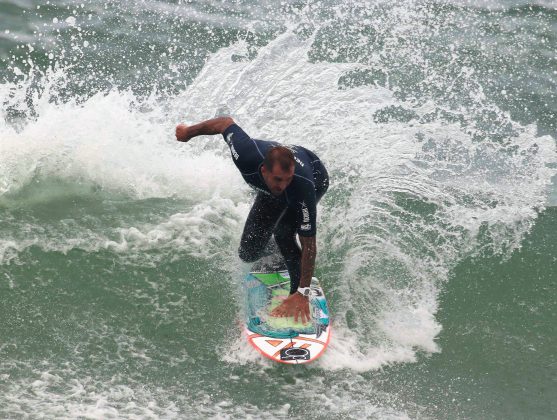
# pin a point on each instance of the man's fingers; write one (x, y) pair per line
(298, 312)
(304, 311)
(279, 311)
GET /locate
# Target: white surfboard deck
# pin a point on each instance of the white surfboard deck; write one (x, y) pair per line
(282, 339)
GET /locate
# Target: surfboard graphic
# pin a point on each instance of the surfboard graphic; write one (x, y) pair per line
(283, 339)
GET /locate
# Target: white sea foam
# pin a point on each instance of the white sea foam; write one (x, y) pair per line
(502, 4)
(199, 231)
(111, 143)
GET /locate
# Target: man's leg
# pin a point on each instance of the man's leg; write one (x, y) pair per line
(261, 221)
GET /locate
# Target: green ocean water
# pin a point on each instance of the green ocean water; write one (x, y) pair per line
(119, 280)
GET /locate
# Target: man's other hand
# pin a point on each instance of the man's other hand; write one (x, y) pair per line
(294, 305)
(182, 133)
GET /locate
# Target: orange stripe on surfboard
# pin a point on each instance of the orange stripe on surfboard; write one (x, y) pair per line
(284, 348)
(274, 343)
(313, 340)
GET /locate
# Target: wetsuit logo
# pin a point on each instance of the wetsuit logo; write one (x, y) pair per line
(307, 226)
(299, 161)
(259, 189)
(232, 149)
(305, 212)
(234, 152)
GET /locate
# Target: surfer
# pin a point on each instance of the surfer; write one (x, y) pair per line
(289, 180)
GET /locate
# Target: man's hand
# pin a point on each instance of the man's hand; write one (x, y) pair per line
(182, 133)
(215, 126)
(294, 305)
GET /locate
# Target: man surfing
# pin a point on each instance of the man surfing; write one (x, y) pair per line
(290, 180)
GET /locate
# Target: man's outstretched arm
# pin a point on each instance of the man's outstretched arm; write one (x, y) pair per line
(215, 126)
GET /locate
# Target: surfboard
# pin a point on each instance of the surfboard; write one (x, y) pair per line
(278, 338)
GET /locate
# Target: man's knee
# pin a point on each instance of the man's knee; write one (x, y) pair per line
(248, 254)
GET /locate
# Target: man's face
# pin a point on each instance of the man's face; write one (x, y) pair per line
(277, 180)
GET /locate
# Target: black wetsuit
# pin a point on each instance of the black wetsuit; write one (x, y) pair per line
(294, 211)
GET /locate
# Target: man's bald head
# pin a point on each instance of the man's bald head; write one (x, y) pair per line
(281, 156)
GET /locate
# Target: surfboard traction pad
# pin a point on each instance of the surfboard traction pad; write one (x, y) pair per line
(282, 339)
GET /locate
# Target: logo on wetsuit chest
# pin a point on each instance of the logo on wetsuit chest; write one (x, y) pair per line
(307, 226)
(294, 150)
(299, 161)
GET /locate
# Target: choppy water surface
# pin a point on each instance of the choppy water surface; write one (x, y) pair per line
(119, 280)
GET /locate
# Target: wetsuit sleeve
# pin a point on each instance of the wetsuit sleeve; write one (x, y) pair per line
(306, 213)
(244, 150)
(235, 137)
